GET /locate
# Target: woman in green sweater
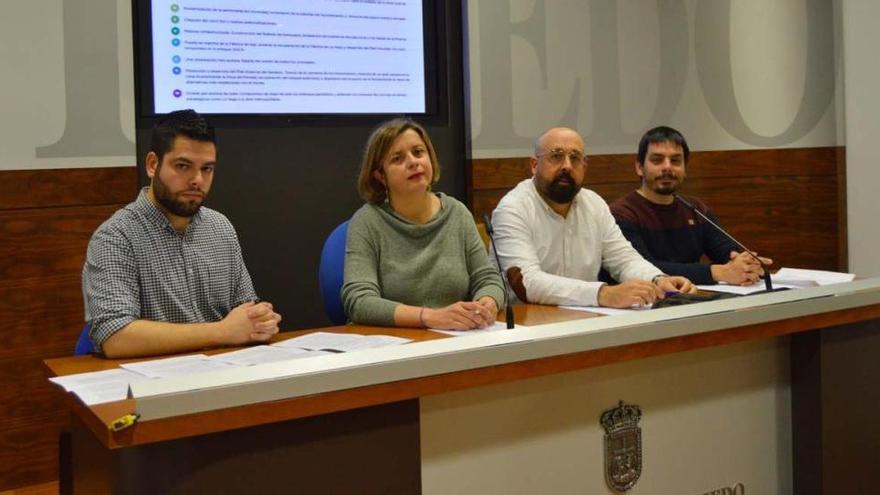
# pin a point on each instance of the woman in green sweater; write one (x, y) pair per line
(413, 257)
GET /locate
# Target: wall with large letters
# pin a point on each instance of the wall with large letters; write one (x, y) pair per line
(730, 74)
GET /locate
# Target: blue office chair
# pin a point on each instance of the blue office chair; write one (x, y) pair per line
(330, 273)
(84, 343)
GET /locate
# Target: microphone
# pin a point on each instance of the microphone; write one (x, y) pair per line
(508, 309)
(768, 284)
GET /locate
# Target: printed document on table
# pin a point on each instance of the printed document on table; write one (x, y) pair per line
(340, 342)
(607, 311)
(810, 278)
(498, 325)
(370, 342)
(97, 387)
(262, 354)
(744, 290)
(175, 366)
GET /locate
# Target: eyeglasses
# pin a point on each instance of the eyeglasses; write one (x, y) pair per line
(557, 157)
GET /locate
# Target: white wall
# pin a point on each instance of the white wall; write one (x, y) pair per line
(861, 40)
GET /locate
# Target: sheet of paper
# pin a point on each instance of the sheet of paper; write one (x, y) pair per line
(95, 378)
(606, 311)
(320, 341)
(98, 387)
(263, 354)
(743, 290)
(340, 342)
(371, 341)
(98, 395)
(801, 277)
(498, 325)
(182, 365)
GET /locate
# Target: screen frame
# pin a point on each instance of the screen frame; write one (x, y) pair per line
(436, 85)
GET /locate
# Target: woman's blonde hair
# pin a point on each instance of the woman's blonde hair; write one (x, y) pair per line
(378, 146)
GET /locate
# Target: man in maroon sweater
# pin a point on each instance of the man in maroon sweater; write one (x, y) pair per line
(665, 231)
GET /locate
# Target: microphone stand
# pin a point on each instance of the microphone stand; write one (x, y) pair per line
(508, 309)
(768, 284)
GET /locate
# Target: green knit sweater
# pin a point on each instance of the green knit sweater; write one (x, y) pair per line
(390, 260)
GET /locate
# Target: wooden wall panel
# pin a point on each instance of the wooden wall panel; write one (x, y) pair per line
(46, 220)
(784, 203)
(40, 317)
(66, 187)
(29, 451)
(504, 173)
(43, 242)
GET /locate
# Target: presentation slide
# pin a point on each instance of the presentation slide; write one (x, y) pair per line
(288, 57)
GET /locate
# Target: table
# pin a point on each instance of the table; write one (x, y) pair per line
(368, 439)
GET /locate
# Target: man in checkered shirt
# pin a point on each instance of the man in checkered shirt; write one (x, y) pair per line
(163, 274)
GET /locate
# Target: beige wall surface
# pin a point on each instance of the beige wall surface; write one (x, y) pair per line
(711, 419)
(861, 41)
(66, 95)
(730, 74)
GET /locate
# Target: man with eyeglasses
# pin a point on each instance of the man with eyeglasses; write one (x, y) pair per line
(667, 232)
(553, 236)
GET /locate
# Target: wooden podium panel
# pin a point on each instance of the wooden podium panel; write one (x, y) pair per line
(373, 450)
(835, 407)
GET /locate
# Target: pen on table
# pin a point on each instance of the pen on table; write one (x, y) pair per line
(123, 422)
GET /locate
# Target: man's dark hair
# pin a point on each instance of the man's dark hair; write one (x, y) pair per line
(662, 134)
(179, 123)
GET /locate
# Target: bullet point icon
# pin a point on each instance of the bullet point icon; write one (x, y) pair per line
(176, 70)
(175, 42)
(175, 7)
(175, 30)
(176, 59)
(177, 93)
(175, 19)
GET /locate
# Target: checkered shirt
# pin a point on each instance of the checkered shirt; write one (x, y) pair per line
(138, 267)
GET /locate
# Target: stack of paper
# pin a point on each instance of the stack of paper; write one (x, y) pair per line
(789, 278)
(99, 386)
(261, 354)
(112, 385)
(810, 278)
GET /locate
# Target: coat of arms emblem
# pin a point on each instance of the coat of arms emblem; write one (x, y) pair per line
(623, 446)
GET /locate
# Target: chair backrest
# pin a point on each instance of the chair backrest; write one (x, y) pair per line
(330, 273)
(484, 235)
(83, 343)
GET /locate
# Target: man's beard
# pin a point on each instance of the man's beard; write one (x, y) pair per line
(168, 200)
(663, 189)
(559, 192)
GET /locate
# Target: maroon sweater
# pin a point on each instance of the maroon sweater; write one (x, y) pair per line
(673, 237)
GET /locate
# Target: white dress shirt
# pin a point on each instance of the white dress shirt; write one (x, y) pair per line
(560, 257)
